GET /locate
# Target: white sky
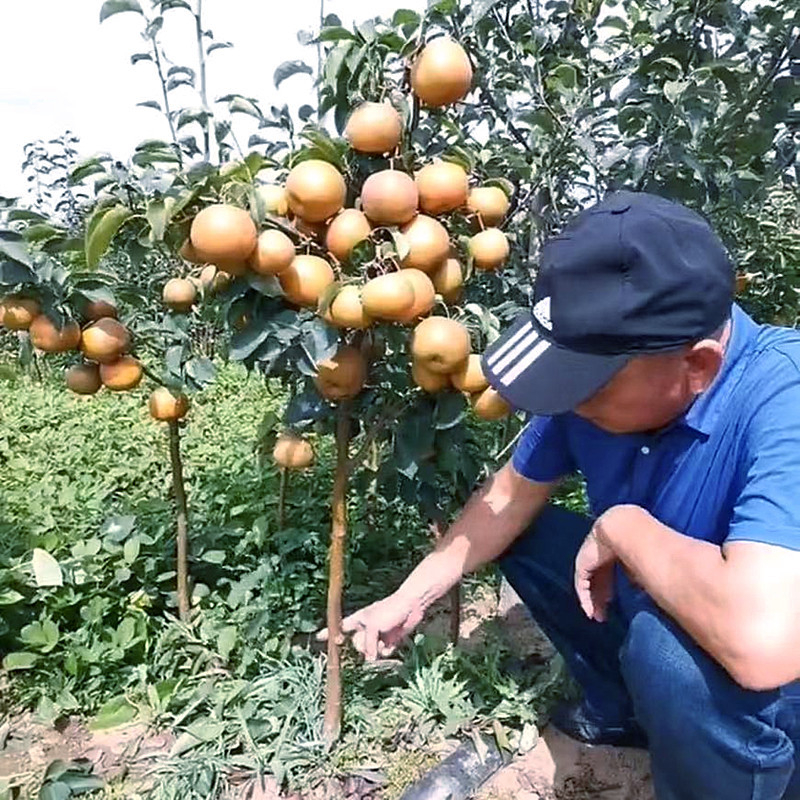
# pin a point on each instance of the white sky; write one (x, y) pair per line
(60, 69)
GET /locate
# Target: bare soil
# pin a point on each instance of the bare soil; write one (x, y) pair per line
(559, 768)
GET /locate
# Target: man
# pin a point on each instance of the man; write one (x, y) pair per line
(677, 608)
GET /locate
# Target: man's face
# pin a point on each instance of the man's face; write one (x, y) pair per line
(647, 394)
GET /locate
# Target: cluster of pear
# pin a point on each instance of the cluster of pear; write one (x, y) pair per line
(103, 342)
(227, 241)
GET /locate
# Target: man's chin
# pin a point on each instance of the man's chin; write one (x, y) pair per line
(619, 428)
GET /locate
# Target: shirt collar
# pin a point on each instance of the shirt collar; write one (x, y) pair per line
(703, 414)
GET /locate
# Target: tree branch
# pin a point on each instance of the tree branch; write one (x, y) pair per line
(371, 435)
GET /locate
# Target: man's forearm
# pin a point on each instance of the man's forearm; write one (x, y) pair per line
(492, 519)
(711, 596)
(681, 574)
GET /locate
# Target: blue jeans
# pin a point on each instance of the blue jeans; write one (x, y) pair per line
(709, 739)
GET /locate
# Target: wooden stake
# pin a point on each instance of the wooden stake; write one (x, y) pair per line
(182, 520)
(333, 688)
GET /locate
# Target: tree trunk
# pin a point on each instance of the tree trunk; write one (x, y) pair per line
(437, 526)
(333, 688)
(181, 516)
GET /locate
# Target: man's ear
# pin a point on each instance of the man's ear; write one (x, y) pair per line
(704, 361)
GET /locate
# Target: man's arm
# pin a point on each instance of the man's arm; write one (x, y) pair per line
(739, 602)
(492, 519)
(494, 516)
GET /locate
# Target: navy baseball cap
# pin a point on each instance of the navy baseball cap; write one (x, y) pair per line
(632, 275)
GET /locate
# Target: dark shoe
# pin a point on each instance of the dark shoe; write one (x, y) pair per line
(577, 722)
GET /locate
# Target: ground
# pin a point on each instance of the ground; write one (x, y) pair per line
(555, 769)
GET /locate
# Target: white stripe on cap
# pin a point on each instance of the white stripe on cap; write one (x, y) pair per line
(509, 344)
(513, 354)
(524, 363)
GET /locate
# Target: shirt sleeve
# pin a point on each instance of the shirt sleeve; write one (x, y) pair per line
(768, 507)
(543, 454)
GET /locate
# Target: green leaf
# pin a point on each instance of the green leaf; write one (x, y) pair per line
(42, 233)
(614, 22)
(9, 596)
(25, 215)
(404, 16)
(153, 27)
(218, 46)
(42, 635)
(414, 441)
(200, 731)
(319, 339)
(244, 343)
(480, 8)
(324, 146)
(117, 529)
(54, 791)
(451, 408)
(126, 630)
(189, 115)
(130, 550)
(335, 33)
(12, 273)
(78, 784)
(226, 641)
(168, 5)
(305, 408)
(55, 769)
(85, 168)
(367, 31)
(157, 215)
(19, 660)
(674, 89)
(241, 105)
(565, 76)
(102, 231)
(152, 144)
(117, 711)
(111, 7)
(255, 162)
(669, 61)
(46, 570)
(289, 68)
(335, 62)
(201, 370)
(13, 246)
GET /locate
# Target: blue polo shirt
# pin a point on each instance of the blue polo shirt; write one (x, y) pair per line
(727, 470)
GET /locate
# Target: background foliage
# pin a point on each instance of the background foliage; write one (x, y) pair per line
(694, 99)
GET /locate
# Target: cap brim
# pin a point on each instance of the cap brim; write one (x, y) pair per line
(535, 374)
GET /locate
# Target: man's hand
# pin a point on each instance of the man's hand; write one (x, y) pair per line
(594, 564)
(377, 629)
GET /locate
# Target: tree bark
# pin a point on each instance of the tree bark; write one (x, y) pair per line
(333, 689)
(182, 520)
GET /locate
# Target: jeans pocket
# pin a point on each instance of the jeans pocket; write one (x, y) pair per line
(788, 715)
(770, 747)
